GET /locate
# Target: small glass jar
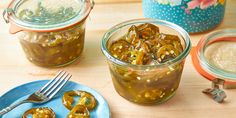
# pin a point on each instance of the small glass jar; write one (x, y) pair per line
(215, 56)
(146, 84)
(51, 32)
(193, 15)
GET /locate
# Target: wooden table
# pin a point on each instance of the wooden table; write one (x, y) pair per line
(92, 69)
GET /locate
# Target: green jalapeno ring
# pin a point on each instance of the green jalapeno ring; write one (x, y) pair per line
(86, 99)
(40, 111)
(79, 111)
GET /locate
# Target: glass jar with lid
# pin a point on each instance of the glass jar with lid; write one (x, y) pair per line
(51, 32)
(214, 56)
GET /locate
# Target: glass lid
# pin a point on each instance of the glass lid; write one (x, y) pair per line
(48, 14)
(217, 53)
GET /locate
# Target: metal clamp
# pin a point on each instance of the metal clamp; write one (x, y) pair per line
(6, 13)
(215, 92)
(92, 3)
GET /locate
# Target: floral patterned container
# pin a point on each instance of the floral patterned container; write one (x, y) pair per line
(193, 15)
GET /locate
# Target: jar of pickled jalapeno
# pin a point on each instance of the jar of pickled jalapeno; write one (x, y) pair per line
(146, 59)
(51, 32)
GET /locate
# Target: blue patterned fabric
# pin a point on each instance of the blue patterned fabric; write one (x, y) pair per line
(194, 20)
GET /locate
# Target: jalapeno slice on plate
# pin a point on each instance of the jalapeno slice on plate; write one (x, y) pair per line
(43, 112)
(79, 111)
(86, 99)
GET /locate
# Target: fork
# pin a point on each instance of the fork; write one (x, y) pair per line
(45, 93)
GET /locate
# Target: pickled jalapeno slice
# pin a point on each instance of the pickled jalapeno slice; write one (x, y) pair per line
(79, 111)
(86, 99)
(166, 52)
(145, 45)
(39, 113)
(121, 46)
(147, 31)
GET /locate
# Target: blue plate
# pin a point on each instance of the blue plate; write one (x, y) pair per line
(23, 91)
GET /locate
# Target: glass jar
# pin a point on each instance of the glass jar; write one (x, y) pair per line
(214, 56)
(193, 15)
(51, 32)
(146, 84)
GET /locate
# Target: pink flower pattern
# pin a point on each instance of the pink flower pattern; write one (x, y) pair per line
(203, 4)
(192, 4)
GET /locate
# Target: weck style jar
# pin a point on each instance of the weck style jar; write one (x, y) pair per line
(214, 56)
(146, 59)
(51, 32)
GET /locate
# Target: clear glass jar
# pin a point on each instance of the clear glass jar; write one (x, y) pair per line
(146, 84)
(51, 32)
(215, 53)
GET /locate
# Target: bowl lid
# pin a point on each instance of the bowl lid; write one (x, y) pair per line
(47, 15)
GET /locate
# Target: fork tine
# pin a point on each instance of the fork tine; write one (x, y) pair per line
(55, 81)
(59, 88)
(56, 85)
(51, 81)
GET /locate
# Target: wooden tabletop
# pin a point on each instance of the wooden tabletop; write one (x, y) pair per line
(92, 70)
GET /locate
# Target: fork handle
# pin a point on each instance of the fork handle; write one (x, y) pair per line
(12, 106)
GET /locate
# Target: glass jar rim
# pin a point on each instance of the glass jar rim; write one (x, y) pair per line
(10, 16)
(173, 26)
(200, 48)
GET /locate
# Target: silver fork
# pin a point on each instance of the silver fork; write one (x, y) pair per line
(45, 93)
